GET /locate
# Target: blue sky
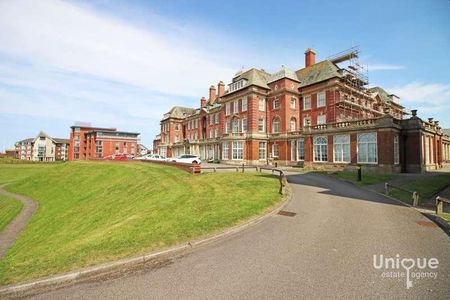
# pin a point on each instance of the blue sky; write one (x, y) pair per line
(124, 63)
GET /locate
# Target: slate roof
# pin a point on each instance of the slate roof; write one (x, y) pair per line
(446, 131)
(384, 96)
(254, 77)
(179, 112)
(283, 73)
(62, 141)
(316, 73)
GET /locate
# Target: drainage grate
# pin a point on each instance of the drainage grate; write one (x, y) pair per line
(427, 223)
(286, 213)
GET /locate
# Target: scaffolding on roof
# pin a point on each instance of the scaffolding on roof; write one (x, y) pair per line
(355, 97)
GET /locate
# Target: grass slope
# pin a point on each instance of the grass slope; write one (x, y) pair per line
(9, 208)
(93, 212)
(426, 188)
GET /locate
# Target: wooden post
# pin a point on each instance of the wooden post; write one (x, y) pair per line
(386, 188)
(243, 168)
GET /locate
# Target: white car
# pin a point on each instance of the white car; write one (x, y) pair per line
(187, 158)
(154, 157)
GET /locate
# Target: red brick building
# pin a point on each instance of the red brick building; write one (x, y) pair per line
(322, 114)
(88, 142)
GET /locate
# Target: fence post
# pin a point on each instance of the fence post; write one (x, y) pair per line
(215, 169)
(415, 198)
(243, 168)
(237, 169)
(439, 205)
(386, 188)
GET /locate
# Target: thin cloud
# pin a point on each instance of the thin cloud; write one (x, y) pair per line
(385, 67)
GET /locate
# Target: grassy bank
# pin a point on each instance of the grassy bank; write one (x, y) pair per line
(425, 187)
(366, 178)
(93, 212)
(9, 208)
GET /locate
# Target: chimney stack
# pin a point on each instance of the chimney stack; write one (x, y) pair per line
(220, 88)
(212, 94)
(203, 102)
(310, 57)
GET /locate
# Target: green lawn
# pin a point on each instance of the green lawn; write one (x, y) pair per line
(9, 208)
(445, 216)
(426, 188)
(94, 212)
(366, 178)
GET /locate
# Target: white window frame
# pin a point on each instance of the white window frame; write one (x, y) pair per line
(217, 118)
(321, 99)
(235, 125)
(300, 149)
(237, 148)
(341, 143)
(275, 154)
(227, 109)
(244, 125)
(262, 150)
(262, 104)
(320, 150)
(293, 103)
(304, 121)
(364, 146)
(279, 125)
(321, 119)
(293, 124)
(276, 103)
(306, 100)
(236, 107)
(396, 149)
(244, 104)
(225, 151)
(263, 129)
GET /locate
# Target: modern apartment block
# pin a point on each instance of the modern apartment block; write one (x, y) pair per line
(87, 142)
(322, 114)
(42, 148)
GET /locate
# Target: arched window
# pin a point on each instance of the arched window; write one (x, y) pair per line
(367, 147)
(293, 124)
(320, 149)
(276, 125)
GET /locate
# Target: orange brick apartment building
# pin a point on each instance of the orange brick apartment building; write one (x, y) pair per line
(87, 142)
(321, 114)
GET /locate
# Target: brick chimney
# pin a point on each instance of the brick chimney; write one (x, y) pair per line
(203, 102)
(221, 88)
(212, 93)
(310, 57)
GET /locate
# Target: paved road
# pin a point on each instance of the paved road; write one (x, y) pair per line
(10, 233)
(325, 251)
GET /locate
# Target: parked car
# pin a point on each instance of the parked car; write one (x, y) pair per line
(116, 157)
(154, 157)
(187, 158)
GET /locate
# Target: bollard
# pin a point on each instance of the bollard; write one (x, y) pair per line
(439, 205)
(243, 168)
(359, 173)
(276, 165)
(386, 188)
(415, 199)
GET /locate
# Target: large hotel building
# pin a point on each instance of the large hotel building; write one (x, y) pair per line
(322, 114)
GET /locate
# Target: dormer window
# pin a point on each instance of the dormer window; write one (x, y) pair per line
(237, 85)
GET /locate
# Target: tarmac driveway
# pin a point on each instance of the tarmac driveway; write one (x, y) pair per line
(325, 251)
